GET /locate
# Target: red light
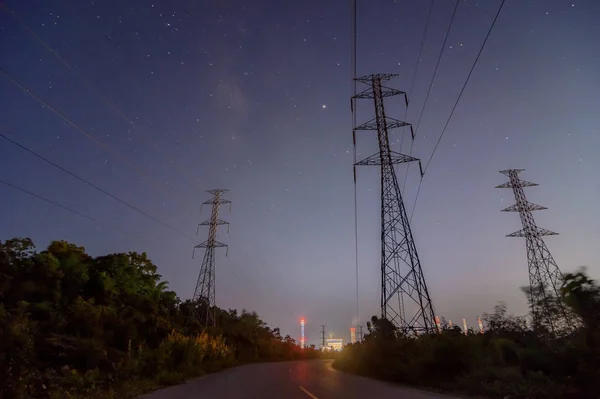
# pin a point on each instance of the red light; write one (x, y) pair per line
(301, 320)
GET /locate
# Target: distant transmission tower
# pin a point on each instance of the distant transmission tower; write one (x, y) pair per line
(545, 278)
(205, 286)
(402, 278)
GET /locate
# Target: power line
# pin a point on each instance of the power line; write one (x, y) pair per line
(81, 179)
(437, 65)
(456, 103)
(109, 103)
(80, 129)
(414, 77)
(412, 143)
(68, 209)
(13, 15)
(65, 118)
(81, 214)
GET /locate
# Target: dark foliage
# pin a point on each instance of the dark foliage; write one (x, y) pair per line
(511, 359)
(76, 326)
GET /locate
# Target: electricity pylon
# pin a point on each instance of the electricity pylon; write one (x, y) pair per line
(545, 279)
(402, 278)
(204, 294)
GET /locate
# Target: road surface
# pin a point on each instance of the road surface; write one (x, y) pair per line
(313, 379)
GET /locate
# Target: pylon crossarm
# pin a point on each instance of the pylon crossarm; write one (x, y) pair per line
(528, 206)
(213, 201)
(368, 79)
(207, 244)
(391, 123)
(532, 232)
(395, 159)
(208, 222)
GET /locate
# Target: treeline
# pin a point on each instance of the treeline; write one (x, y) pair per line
(73, 325)
(511, 359)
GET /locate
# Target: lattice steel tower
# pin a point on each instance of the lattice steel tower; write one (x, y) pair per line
(205, 286)
(545, 278)
(405, 300)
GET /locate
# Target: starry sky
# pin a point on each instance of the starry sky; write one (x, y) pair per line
(168, 99)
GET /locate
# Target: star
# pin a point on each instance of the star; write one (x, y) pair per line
(324, 106)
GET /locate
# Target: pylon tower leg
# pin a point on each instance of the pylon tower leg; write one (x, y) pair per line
(205, 286)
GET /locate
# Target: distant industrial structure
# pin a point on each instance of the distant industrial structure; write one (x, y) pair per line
(352, 335)
(545, 278)
(204, 294)
(302, 333)
(335, 344)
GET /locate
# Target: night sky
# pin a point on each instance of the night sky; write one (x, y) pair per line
(187, 96)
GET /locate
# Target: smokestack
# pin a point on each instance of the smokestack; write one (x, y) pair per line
(465, 329)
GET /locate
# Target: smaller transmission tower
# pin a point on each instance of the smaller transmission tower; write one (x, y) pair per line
(204, 294)
(323, 337)
(545, 278)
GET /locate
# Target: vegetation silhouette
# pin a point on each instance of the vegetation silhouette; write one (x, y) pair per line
(73, 325)
(511, 359)
(77, 326)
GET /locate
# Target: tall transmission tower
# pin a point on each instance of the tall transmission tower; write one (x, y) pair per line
(405, 299)
(323, 337)
(545, 278)
(204, 294)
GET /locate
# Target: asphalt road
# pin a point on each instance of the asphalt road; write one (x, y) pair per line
(314, 379)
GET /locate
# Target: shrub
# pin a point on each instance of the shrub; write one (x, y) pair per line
(76, 326)
(509, 360)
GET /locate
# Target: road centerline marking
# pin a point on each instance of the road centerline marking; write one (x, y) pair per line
(306, 391)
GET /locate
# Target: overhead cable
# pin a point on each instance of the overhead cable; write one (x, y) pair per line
(456, 103)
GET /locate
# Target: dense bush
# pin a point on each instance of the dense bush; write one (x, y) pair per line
(76, 326)
(509, 360)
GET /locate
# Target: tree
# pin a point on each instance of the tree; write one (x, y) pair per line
(73, 323)
(381, 329)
